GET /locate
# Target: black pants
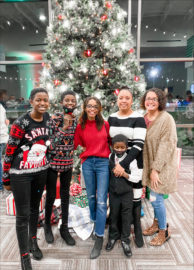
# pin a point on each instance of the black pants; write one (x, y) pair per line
(120, 215)
(27, 192)
(65, 179)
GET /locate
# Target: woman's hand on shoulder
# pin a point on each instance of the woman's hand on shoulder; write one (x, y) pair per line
(154, 177)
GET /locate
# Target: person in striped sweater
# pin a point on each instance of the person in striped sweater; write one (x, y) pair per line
(131, 124)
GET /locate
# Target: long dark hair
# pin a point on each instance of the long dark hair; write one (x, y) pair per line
(99, 119)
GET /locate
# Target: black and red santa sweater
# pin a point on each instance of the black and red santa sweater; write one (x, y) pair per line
(61, 148)
(26, 148)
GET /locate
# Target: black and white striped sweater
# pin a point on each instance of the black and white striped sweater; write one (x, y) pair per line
(134, 128)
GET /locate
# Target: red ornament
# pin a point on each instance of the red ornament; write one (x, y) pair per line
(105, 72)
(60, 17)
(88, 53)
(57, 82)
(136, 78)
(131, 51)
(104, 17)
(116, 92)
(108, 5)
(43, 64)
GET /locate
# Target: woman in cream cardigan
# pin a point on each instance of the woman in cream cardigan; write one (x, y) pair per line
(160, 160)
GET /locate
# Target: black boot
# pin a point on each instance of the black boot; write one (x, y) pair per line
(137, 226)
(97, 248)
(34, 249)
(48, 233)
(66, 235)
(26, 262)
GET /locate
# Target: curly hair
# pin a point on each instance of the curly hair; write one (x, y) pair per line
(67, 92)
(83, 117)
(161, 98)
(35, 91)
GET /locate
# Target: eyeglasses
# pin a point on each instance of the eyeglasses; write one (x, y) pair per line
(153, 99)
(92, 107)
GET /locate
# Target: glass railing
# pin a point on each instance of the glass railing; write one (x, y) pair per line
(183, 114)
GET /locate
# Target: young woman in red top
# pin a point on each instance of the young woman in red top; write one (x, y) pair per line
(92, 134)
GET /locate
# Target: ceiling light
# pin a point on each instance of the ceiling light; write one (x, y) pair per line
(147, 26)
(36, 31)
(135, 26)
(174, 34)
(155, 30)
(164, 33)
(8, 22)
(42, 17)
(23, 27)
(185, 36)
(153, 72)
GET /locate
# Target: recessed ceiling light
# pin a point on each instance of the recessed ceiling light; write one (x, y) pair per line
(164, 33)
(135, 26)
(174, 34)
(23, 27)
(36, 31)
(147, 26)
(155, 30)
(185, 36)
(8, 22)
(42, 17)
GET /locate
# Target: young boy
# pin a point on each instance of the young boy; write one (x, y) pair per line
(62, 129)
(120, 197)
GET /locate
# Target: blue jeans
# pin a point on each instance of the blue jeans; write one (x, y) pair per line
(159, 209)
(96, 176)
(2, 146)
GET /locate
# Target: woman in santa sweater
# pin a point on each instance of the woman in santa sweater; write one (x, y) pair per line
(92, 134)
(25, 171)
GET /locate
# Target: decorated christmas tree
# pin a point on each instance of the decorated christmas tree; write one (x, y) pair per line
(90, 51)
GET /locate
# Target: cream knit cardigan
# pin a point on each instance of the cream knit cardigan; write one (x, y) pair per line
(160, 153)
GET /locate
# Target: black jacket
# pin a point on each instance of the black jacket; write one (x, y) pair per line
(118, 185)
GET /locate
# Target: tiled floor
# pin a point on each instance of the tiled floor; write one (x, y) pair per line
(176, 254)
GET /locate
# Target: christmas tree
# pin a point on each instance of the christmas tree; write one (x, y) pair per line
(90, 51)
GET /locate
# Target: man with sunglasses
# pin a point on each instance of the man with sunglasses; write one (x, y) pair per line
(62, 129)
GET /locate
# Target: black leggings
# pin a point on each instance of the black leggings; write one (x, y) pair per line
(65, 179)
(27, 192)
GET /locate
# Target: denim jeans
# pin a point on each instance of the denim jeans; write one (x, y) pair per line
(159, 209)
(2, 146)
(96, 176)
